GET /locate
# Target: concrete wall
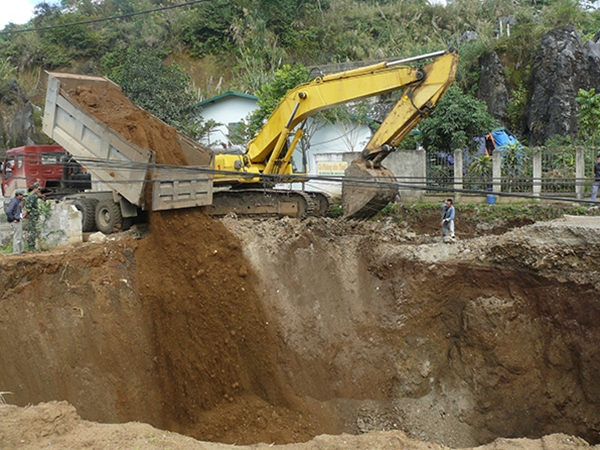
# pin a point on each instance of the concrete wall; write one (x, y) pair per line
(62, 228)
(409, 168)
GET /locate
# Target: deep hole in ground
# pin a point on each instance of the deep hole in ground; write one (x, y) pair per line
(277, 331)
(242, 331)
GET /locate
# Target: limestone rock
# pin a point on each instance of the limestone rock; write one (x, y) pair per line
(492, 86)
(17, 125)
(562, 66)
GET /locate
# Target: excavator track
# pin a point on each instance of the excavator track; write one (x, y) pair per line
(323, 203)
(261, 203)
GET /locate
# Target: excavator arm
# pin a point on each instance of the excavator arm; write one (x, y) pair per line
(368, 186)
(270, 152)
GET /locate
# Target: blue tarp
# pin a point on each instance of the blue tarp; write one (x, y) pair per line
(497, 140)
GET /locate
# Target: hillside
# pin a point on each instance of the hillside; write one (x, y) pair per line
(222, 46)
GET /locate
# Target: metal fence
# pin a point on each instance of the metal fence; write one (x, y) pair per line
(557, 174)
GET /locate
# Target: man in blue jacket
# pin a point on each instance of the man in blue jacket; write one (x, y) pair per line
(448, 219)
(14, 216)
(596, 183)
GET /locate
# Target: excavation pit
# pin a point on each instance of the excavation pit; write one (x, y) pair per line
(277, 331)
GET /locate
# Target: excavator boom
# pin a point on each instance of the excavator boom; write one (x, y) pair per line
(269, 153)
(368, 186)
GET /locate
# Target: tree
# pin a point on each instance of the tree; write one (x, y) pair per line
(161, 89)
(271, 93)
(589, 115)
(456, 120)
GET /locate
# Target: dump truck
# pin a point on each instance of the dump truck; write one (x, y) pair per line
(125, 181)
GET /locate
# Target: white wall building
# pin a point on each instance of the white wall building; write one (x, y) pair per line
(228, 109)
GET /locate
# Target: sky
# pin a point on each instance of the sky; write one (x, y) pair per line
(17, 11)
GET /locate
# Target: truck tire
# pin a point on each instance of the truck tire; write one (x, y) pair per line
(108, 217)
(87, 206)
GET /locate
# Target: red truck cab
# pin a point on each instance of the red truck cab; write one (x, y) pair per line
(48, 165)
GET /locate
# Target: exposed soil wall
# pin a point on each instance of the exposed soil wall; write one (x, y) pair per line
(278, 331)
(491, 335)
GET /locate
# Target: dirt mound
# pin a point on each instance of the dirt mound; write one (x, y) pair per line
(216, 354)
(57, 425)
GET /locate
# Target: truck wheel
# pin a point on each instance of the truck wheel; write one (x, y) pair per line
(87, 206)
(108, 217)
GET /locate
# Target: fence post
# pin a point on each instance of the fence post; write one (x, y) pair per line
(579, 173)
(537, 171)
(497, 171)
(458, 173)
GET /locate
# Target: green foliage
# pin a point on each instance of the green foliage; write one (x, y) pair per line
(517, 108)
(589, 115)
(455, 121)
(7, 71)
(258, 52)
(271, 93)
(469, 69)
(76, 38)
(337, 210)
(481, 167)
(207, 28)
(161, 89)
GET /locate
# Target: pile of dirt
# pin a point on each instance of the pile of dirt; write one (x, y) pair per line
(136, 125)
(216, 354)
(56, 425)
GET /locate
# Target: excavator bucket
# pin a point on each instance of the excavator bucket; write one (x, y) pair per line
(366, 191)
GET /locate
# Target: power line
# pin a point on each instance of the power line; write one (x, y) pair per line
(143, 168)
(104, 19)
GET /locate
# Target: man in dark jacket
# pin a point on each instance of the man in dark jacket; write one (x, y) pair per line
(596, 183)
(14, 216)
(448, 219)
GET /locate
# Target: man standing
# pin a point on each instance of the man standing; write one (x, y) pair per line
(32, 215)
(448, 219)
(14, 215)
(596, 183)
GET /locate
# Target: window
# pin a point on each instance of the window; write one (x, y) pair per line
(49, 159)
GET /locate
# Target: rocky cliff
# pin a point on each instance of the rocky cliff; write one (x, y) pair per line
(563, 65)
(17, 125)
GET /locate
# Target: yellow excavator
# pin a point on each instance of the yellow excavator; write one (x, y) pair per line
(243, 183)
